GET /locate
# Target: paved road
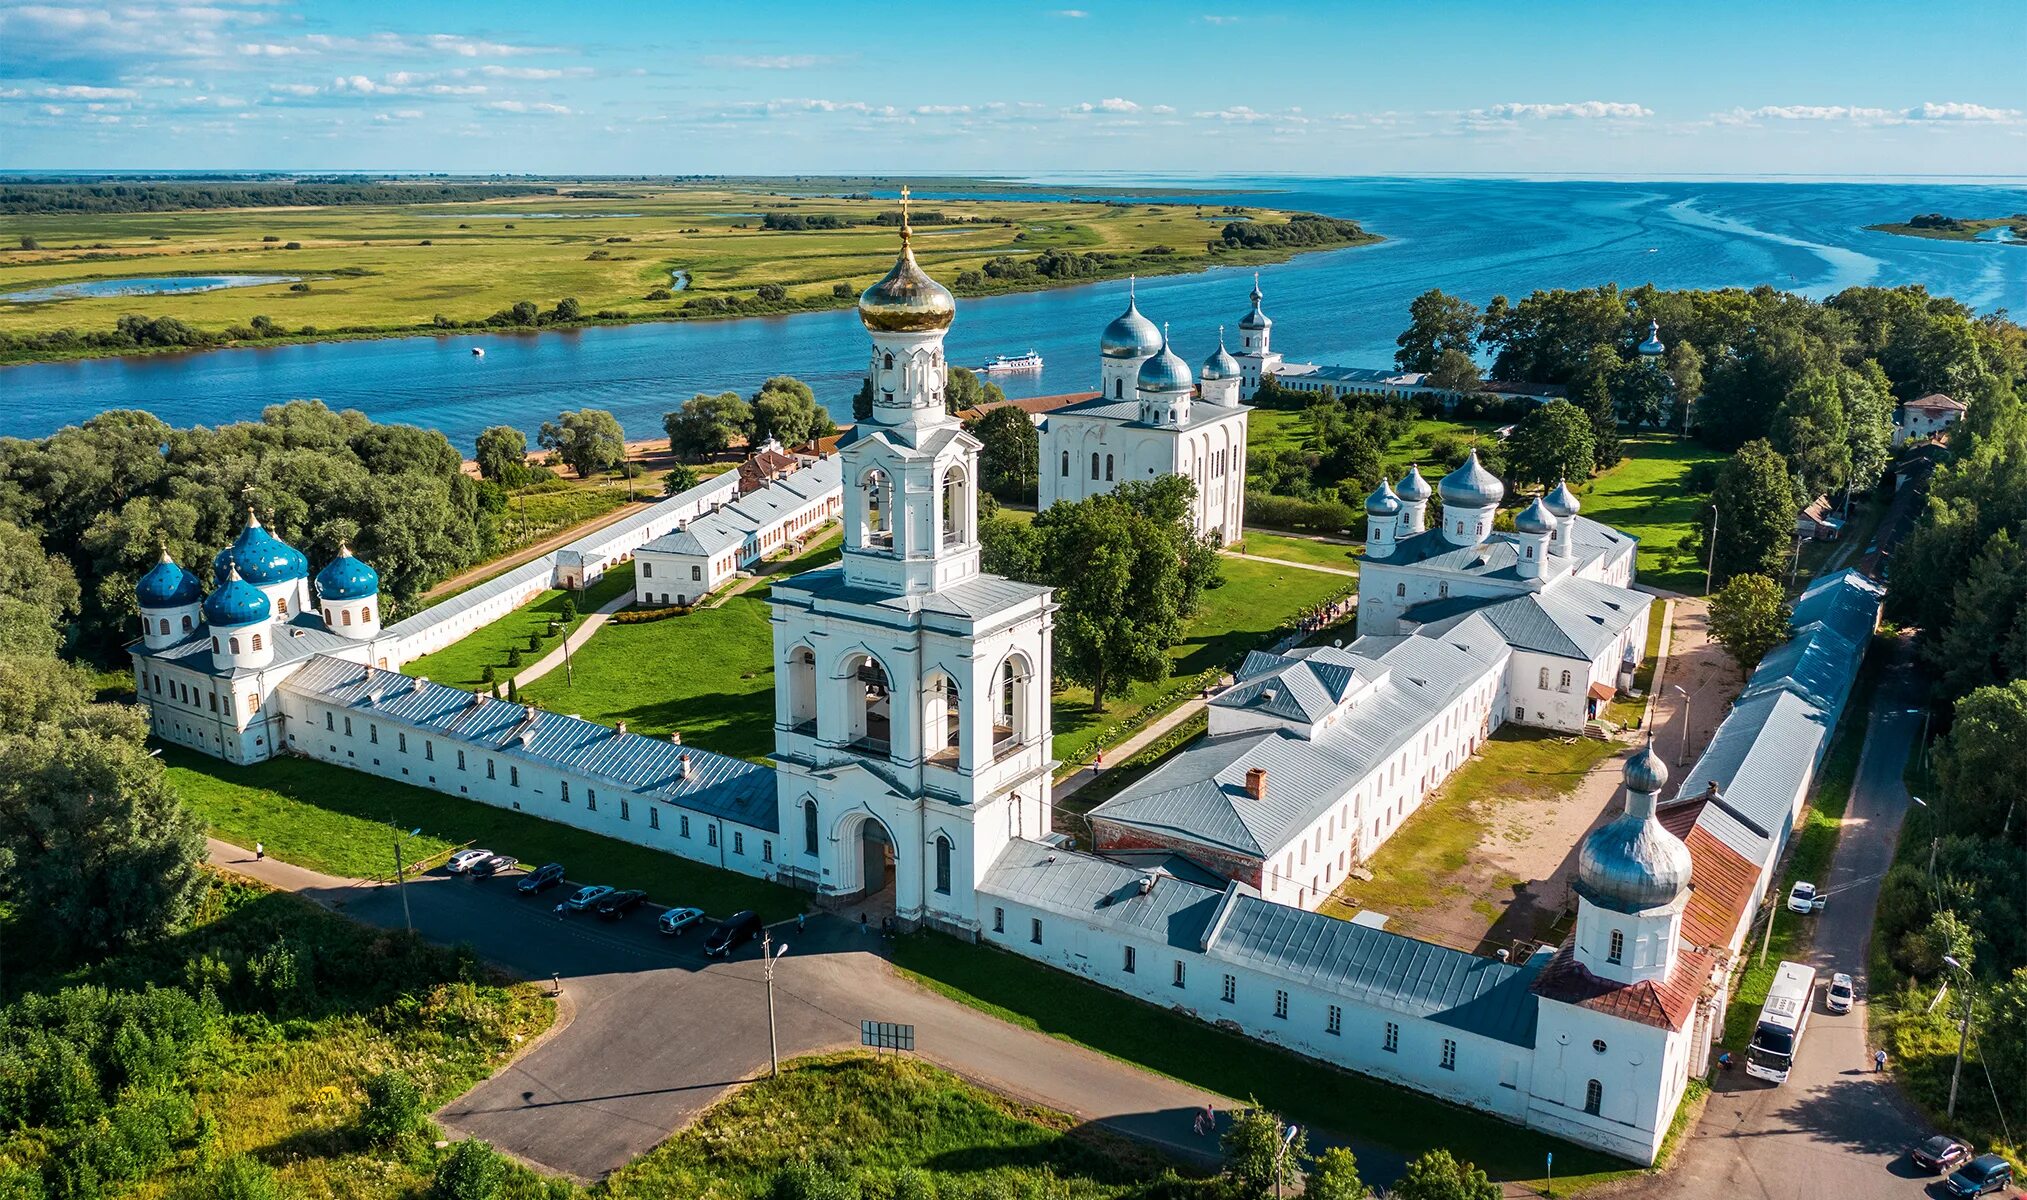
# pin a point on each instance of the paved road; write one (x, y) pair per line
(651, 1033)
(1834, 1131)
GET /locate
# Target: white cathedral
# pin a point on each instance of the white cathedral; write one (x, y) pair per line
(1152, 418)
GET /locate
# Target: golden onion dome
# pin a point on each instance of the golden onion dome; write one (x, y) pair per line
(906, 300)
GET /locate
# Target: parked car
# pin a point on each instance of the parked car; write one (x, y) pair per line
(588, 896)
(1939, 1154)
(465, 860)
(617, 905)
(1838, 996)
(732, 932)
(1985, 1173)
(496, 864)
(542, 878)
(678, 919)
(1803, 898)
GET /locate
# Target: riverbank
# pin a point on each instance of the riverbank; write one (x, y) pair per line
(566, 262)
(1964, 229)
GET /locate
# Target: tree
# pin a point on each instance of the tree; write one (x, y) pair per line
(1685, 380)
(587, 440)
(2002, 1039)
(1756, 511)
(1979, 760)
(501, 452)
(472, 1171)
(786, 409)
(1748, 617)
(96, 851)
(862, 400)
(1456, 371)
(38, 593)
(1009, 459)
(1255, 1159)
(1438, 1176)
(1594, 396)
(1334, 1176)
(679, 479)
(1640, 393)
(1868, 423)
(1809, 429)
(1436, 323)
(708, 425)
(964, 390)
(1552, 443)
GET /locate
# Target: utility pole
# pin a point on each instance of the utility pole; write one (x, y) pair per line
(1687, 700)
(767, 956)
(401, 876)
(1963, 1037)
(1767, 938)
(1710, 563)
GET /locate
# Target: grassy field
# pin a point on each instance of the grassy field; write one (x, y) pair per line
(1289, 548)
(709, 675)
(1280, 429)
(463, 663)
(1648, 496)
(400, 268)
(279, 1068)
(337, 821)
(1041, 998)
(878, 1119)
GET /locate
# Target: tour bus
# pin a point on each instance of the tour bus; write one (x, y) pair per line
(1783, 1018)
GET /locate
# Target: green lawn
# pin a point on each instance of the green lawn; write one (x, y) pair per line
(1648, 496)
(338, 821)
(463, 663)
(1044, 999)
(1270, 429)
(1257, 600)
(874, 1119)
(1629, 709)
(1289, 548)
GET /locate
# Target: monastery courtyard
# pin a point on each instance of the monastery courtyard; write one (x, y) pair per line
(1487, 864)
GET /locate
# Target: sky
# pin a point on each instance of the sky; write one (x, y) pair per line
(1854, 88)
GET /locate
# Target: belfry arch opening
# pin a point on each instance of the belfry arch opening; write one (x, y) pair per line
(956, 507)
(876, 510)
(868, 706)
(802, 689)
(864, 873)
(1012, 699)
(942, 725)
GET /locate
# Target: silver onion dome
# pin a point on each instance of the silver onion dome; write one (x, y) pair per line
(1471, 486)
(1255, 318)
(1220, 365)
(1645, 772)
(1652, 346)
(1165, 372)
(1535, 519)
(1130, 335)
(1632, 863)
(1562, 501)
(1383, 502)
(1414, 489)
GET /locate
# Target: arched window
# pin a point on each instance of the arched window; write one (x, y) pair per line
(1400, 591)
(256, 643)
(1565, 681)
(876, 517)
(365, 613)
(868, 708)
(1011, 704)
(802, 690)
(1460, 527)
(1617, 952)
(1066, 464)
(282, 605)
(1094, 464)
(809, 827)
(235, 645)
(942, 733)
(1108, 468)
(214, 645)
(888, 361)
(1119, 389)
(1544, 679)
(1594, 1097)
(344, 616)
(165, 624)
(956, 506)
(942, 865)
(186, 623)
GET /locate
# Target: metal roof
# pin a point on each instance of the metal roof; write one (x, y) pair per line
(975, 598)
(1847, 602)
(739, 521)
(543, 569)
(651, 768)
(301, 637)
(1127, 412)
(1571, 618)
(1103, 893)
(1762, 759)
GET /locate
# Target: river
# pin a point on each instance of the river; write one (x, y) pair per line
(1470, 237)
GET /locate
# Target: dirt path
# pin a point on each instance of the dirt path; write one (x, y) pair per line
(1289, 562)
(1682, 726)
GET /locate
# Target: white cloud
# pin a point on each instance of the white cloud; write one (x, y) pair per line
(399, 114)
(1588, 110)
(495, 71)
(1070, 14)
(294, 89)
(162, 81)
(525, 106)
(770, 62)
(1955, 111)
(941, 110)
(1111, 104)
(78, 91)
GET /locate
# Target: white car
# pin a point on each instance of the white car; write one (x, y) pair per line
(588, 897)
(678, 919)
(1837, 997)
(465, 860)
(1803, 898)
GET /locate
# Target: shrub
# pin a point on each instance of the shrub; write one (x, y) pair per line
(472, 1171)
(535, 641)
(238, 1178)
(772, 293)
(813, 1181)
(513, 657)
(568, 609)
(641, 616)
(299, 287)
(292, 246)
(489, 675)
(270, 238)
(394, 1106)
(914, 1184)
(660, 293)
(841, 290)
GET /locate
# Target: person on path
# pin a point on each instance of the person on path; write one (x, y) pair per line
(799, 919)
(259, 851)
(1878, 1061)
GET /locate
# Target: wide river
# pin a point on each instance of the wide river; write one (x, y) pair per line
(1472, 237)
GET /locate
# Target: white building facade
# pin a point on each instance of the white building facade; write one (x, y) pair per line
(705, 552)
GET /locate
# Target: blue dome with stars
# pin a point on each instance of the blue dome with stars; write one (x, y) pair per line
(167, 585)
(347, 578)
(236, 602)
(260, 557)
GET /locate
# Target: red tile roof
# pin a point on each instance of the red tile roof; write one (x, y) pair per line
(1034, 405)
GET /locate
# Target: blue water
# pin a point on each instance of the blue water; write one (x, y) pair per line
(160, 285)
(1471, 237)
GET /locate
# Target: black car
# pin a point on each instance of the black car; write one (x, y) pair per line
(732, 932)
(486, 868)
(1938, 1154)
(617, 905)
(1985, 1173)
(542, 878)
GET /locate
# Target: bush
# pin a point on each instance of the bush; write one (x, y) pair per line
(489, 675)
(513, 657)
(813, 1181)
(641, 616)
(472, 1171)
(772, 293)
(660, 293)
(394, 1106)
(841, 290)
(293, 246)
(568, 609)
(237, 1178)
(535, 641)
(1288, 512)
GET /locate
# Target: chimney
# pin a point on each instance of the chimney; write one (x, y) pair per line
(676, 738)
(683, 764)
(619, 728)
(1256, 782)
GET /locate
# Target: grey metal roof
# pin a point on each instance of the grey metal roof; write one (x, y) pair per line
(301, 637)
(1817, 664)
(541, 569)
(740, 520)
(1570, 618)
(650, 768)
(1846, 601)
(1498, 556)
(1295, 688)
(1101, 892)
(977, 597)
(1388, 970)
(1762, 758)
(1127, 412)
(596, 545)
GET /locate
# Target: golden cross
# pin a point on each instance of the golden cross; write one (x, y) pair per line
(904, 214)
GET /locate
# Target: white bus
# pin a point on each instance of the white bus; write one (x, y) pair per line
(1783, 1018)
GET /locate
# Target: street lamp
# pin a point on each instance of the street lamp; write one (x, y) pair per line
(768, 953)
(1963, 1036)
(1934, 840)
(1683, 759)
(1281, 1152)
(401, 876)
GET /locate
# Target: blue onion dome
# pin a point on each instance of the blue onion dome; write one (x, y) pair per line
(1254, 318)
(1471, 486)
(1130, 335)
(167, 585)
(906, 300)
(260, 557)
(347, 578)
(1220, 365)
(1165, 372)
(1562, 501)
(1383, 502)
(1652, 346)
(1414, 489)
(1535, 518)
(1632, 863)
(236, 602)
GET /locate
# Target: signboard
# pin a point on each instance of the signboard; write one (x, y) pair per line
(886, 1035)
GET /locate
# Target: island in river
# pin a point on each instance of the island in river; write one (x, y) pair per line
(582, 255)
(2010, 230)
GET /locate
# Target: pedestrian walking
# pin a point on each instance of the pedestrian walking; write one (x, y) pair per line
(799, 919)
(559, 912)
(259, 851)
(1878, 1061)
(863, 927)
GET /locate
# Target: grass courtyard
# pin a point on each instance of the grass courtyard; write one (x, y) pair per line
(463, 663)
(1648, 496)
(341, 822)
(1289, 548)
